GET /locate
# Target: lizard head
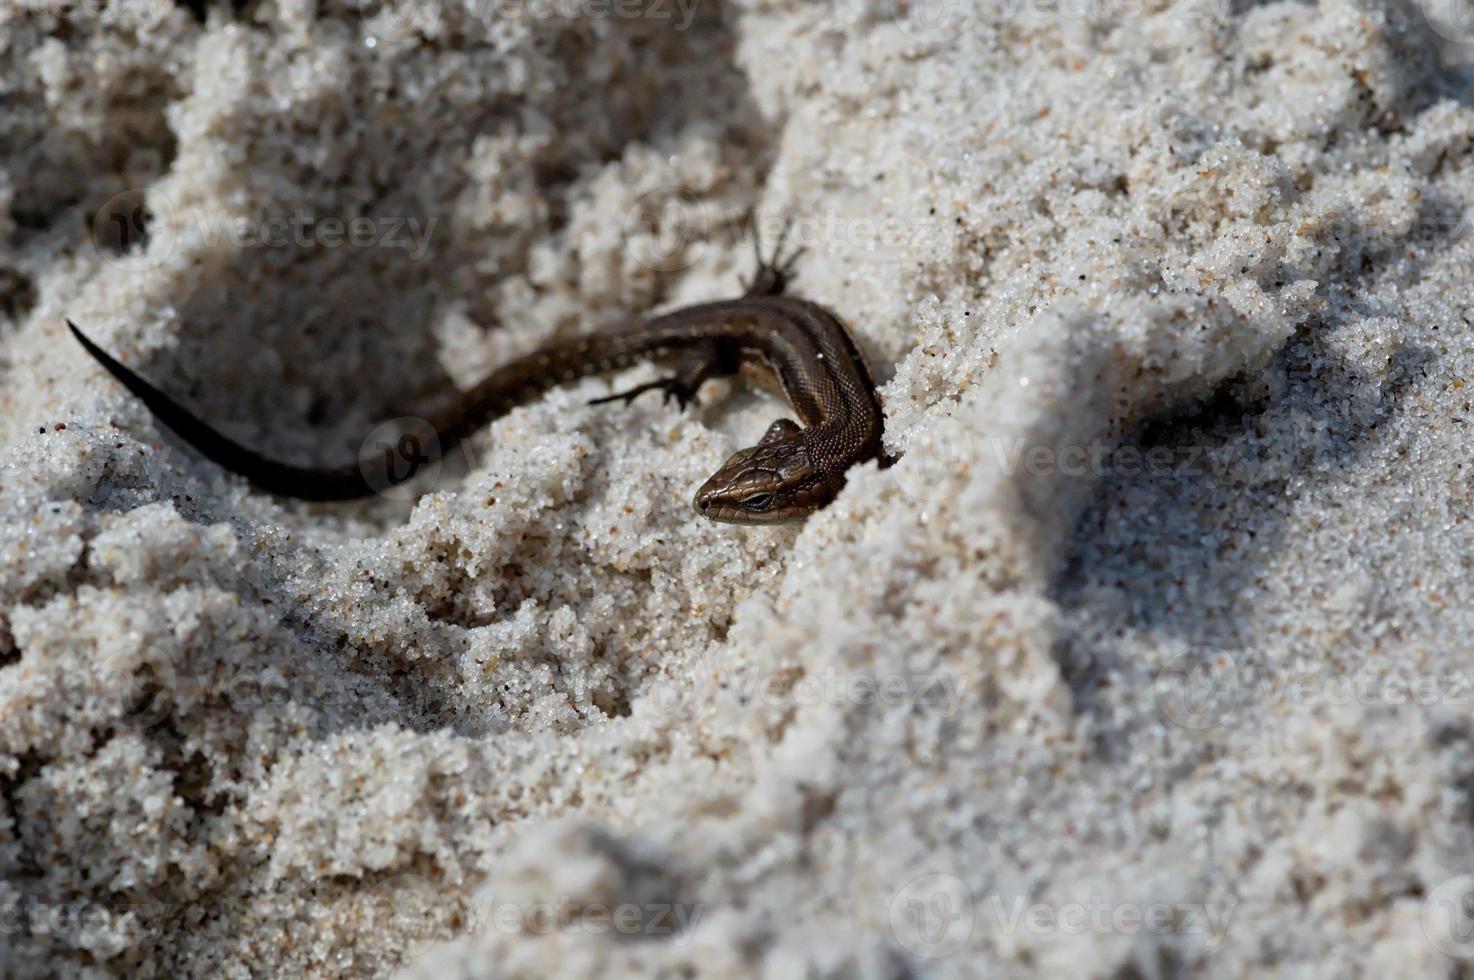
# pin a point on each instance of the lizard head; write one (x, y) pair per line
(772, 483)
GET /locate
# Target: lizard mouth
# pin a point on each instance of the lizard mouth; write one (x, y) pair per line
(707, 506)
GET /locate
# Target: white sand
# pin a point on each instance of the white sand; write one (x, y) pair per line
(1151, 657)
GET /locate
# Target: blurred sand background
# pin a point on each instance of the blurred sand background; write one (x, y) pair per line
(1151, 658)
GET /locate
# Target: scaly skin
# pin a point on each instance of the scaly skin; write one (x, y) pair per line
(793, 472)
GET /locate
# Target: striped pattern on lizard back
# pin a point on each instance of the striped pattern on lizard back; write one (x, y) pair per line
(791, 473)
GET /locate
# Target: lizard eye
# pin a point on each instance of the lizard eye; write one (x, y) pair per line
(757, 501)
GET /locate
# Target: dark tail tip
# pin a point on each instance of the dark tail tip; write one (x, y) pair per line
(344, 483)
(87, 343)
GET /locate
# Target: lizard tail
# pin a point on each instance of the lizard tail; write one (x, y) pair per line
(306, 483)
